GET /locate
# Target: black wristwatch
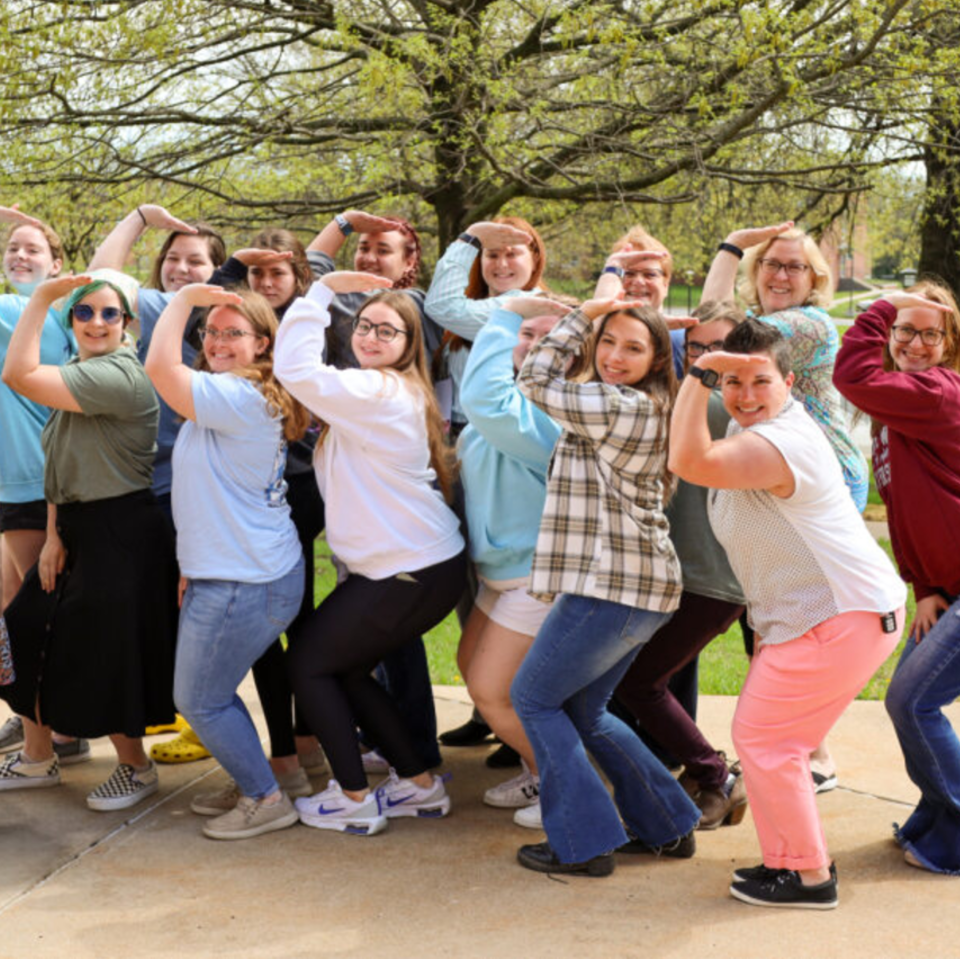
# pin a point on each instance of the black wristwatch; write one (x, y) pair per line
(709, 378)
(474, 241)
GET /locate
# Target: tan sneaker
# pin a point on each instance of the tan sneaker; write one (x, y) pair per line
(295, 784)
(252, 817)
(216, 803)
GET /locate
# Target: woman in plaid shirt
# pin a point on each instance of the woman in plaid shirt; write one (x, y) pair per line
(604, 553)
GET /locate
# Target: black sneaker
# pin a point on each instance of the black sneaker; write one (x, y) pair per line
(503, 757)
(682, 848)
(471, 733)
(540, 857)
(783, 889)
(762, 872)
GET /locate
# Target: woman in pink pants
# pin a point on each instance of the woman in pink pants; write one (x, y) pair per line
(824, 600)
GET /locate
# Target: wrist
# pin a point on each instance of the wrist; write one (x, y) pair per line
(613, 269)
(729, 247)
(471, 240)
(346, 227)
(707, 377)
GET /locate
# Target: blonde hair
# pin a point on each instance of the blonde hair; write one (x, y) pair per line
(258, 312)
(821, 294)
(637, 238)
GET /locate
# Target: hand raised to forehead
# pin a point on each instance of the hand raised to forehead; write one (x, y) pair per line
(205, 294)
(632, 259)
(12, 214)
(493, 236)
(159, 218)
(348, 281)
(723, 362)
(363, 222)
(753, 236)
(254, 257)
(531, 306)
(58, 286)
(901, 300)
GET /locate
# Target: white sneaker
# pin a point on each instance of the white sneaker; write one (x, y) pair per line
(522, 790)
(252, 817)
(373, 762)
(17, 773)
(126, 787)
(218, 802)
(332, 809)
(529, 817)
(403, 797)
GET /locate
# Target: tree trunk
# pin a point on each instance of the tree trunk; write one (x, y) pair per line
(940, 227)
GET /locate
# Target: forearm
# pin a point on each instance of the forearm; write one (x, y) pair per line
(23, 351)
(171, 377)
(722, 277)
(447, 302)
(690, 439)
(329, 240)
(114, 250)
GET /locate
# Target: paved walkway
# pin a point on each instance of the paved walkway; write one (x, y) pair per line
(145, 883)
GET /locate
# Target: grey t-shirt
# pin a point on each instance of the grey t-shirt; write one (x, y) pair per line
(108, 449)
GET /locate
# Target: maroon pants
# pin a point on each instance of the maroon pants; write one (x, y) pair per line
(644, 691)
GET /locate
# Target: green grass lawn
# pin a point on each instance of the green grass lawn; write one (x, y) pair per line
(723, 664)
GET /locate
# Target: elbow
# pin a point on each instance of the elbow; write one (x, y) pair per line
(11, 378)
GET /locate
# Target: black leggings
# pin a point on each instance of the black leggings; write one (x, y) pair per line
(270, 670)
(333, 652)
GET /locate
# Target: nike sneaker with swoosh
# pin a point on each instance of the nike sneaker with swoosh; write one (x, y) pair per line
(403, 797)
(332, 809)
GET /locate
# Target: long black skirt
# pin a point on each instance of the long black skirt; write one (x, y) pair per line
(97, 652)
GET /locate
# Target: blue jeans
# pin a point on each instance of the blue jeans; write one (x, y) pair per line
(927, 678)
(224, 628)
(560, 694)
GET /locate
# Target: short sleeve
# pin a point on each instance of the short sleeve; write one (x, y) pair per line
(113, 385)
(228, 403)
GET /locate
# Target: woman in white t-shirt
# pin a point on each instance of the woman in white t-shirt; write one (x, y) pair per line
(239, 555)
(824, 600)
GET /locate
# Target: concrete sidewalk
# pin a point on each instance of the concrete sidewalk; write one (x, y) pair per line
(145, 883)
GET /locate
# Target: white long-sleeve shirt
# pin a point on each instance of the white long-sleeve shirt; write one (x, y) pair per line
(384, 513)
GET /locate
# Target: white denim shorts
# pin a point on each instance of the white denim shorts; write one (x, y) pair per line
(508, 604)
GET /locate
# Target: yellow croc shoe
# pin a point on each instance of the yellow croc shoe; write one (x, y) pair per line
(186, 748)
(178, 725)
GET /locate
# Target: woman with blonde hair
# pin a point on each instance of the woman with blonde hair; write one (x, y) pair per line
(239, 554)
(386, 476)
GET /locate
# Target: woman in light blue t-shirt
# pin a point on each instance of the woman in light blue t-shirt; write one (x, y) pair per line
(240, 558)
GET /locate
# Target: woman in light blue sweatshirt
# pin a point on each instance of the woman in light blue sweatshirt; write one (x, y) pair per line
(504, 452)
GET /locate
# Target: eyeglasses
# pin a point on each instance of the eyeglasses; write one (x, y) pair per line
(84, 313)
(651, 276)
(773, 267)
(906, 334)
(383, 331)
(228, 334)
(698, 349)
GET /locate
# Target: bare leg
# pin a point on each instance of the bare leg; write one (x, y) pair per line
(497, 656)
(130, 750)
(21, 549)
(37, 741)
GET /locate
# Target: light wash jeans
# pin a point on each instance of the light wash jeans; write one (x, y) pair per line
(926, 679)
(225, 627)
(560, 694)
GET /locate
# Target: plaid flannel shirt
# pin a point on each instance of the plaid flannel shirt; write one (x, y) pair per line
(603, 533)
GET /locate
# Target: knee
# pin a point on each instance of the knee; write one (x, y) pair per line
(901, 701)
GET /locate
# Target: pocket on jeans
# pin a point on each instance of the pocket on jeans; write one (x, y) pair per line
(283, 598)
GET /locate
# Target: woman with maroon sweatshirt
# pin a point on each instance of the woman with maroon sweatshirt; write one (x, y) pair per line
(900, 363)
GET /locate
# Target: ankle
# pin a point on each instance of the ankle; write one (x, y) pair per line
(357, 795)
(814, 877)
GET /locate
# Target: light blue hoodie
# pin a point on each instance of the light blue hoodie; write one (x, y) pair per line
(505, 452)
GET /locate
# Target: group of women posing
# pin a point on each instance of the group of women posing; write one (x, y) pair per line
(293, 396)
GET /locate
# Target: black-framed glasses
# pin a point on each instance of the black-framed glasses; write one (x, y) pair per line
(698, 349)
(905, 334)
(651, 276)
(383, 331)
(773, 267)
(228, 334)
(84, 313)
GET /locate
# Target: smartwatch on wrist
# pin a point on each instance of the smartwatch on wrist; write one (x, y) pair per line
(471, 239)
(709, 378)
(616, 270)
(345, 226)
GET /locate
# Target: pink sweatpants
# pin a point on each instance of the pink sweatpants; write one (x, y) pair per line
(792, 696)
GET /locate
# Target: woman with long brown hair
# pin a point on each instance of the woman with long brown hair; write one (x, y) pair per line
(385, 474)
(239, 554)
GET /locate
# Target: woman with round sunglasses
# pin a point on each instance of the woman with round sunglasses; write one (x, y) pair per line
(386, 476)
(900, 364)
(239, 554)
(93, 627)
